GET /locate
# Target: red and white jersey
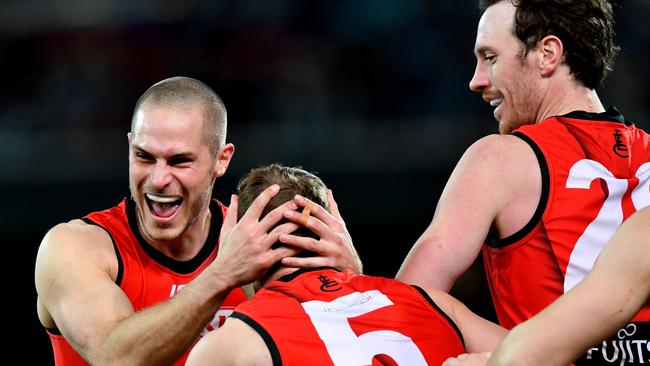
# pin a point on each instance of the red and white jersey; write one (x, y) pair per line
(327, 317)
(595, 174)
(147, 276)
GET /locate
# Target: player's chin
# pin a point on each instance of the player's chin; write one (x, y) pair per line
(505, 127)
(164, 228)
(169, 233)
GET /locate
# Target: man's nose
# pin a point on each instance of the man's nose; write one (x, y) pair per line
(480, 80)
(160, 175)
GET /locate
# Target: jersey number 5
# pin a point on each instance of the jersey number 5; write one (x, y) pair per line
(344, 347)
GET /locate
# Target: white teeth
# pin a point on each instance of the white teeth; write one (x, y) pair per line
(161, 199)
(496, 102)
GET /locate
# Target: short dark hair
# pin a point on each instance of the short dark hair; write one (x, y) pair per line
(292, 181)
(183, 91)
(586, 28)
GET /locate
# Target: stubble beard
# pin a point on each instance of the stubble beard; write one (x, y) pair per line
(522, 107)
(195, 209)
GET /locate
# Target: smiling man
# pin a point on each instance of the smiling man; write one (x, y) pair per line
(543, 197)
(138, 283)
(170, 179)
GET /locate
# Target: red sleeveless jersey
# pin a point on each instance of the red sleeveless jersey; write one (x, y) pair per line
(327, 317)
(147, 276)
(595, 174)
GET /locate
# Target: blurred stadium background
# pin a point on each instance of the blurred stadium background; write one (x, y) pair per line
(371, 94)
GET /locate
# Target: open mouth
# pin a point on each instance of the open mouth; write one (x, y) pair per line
(163, 206)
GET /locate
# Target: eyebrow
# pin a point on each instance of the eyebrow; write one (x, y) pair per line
(182, 155)
(482, 50)
(139, 149)
(186, 155)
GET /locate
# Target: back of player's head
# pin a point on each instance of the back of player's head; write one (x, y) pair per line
(585, 27)
(292, 181)
(181, 91)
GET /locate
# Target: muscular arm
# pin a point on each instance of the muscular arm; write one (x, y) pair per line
(605, 300)
(75, 285)
(76, 290)
(497, 183)
(234, 344)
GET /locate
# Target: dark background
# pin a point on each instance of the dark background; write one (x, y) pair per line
(372, 94)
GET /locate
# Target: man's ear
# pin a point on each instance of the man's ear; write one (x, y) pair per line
(129, 137)
(223, 159)
(551, 54)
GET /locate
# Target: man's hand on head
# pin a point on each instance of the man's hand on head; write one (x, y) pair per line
(245, 251)
(335, 247)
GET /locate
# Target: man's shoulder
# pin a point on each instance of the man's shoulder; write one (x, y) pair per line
(77, 236)
(495, 151)
(75, 227)
(495, 167)
(76, 246)
(236, 343)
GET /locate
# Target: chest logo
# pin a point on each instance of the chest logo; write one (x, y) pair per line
(328, 285)
(619, 147)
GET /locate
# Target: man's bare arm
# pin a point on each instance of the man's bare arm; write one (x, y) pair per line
(493, 175)
(479, 334)
(96, 317)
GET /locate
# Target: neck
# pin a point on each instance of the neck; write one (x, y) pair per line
(568, 96)
(274, 275)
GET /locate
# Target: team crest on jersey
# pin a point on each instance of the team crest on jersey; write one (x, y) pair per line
(619, 147)
(328, 284)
